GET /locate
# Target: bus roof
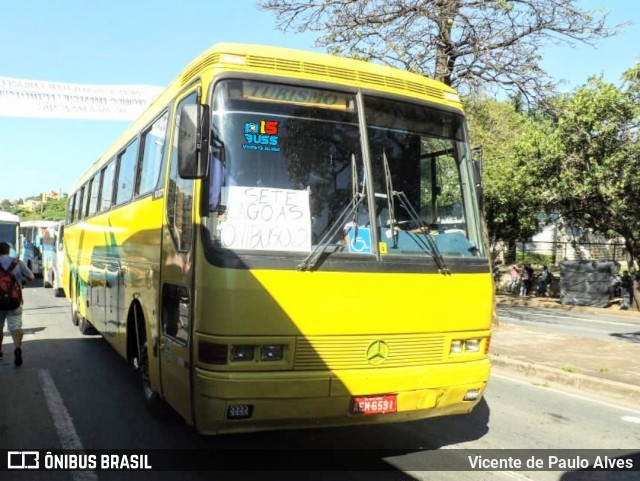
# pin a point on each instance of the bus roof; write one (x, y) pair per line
(39, 223)
(283, 62)
(8, 217)
(318, 66)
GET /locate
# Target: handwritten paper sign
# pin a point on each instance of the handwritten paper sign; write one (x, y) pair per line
(262, 218)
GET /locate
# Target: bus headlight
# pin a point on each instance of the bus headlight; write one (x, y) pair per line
(271, 352)
(472, 345)
(456, 346)
(243, 353)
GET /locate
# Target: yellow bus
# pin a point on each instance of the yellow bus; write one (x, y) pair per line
(289, 239)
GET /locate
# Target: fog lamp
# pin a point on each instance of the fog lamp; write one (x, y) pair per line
(471, 395)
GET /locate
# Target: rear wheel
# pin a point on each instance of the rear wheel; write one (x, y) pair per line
(74, 314)
(85, 326)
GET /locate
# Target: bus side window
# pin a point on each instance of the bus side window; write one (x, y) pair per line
(126, 173)
(106, 189)
(153, 141)
(71, 208)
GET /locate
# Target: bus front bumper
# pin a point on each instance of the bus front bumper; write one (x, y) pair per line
(286, 400)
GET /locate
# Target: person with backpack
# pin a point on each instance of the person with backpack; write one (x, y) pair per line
(12, 273)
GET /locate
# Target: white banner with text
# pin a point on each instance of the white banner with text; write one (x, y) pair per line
(57, 100)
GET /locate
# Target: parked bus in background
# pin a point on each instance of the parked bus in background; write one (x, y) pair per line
(10, 231)
(58, 262)
(35, 241)
(52, 257)
(289, 239)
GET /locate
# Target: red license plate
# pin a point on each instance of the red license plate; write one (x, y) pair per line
(375, 404)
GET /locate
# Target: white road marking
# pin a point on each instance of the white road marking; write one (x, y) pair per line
(631, 419)
(63, 423)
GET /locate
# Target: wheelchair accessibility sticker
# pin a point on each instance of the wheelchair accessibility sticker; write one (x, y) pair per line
(360, 243)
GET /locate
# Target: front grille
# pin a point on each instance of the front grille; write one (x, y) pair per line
(350, 352)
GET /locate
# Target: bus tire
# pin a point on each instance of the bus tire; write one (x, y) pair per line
(138, 336)
(151, 399)
(85, 326)
(74, 315)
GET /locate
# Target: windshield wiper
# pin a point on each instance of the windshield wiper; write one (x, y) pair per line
(427, 242)
(350, 210)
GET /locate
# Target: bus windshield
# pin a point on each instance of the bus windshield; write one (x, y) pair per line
(287, 160)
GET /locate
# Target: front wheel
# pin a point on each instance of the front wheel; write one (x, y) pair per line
(141, 364)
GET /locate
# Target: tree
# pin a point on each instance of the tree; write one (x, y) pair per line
(509, 202)
(467, 44)
(586, 159)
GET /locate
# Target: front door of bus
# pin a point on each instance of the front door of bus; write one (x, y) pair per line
(177, 283)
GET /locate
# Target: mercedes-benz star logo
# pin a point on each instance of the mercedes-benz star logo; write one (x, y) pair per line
(377, 352)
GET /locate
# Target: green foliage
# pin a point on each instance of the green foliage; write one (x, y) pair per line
(585, 158)
(510, 206)
(49, 210)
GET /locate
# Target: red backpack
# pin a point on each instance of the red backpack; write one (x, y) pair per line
(10, 292)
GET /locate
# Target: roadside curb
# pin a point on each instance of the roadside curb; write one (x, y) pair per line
(626, 393)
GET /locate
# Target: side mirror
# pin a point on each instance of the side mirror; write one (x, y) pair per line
(193, 141)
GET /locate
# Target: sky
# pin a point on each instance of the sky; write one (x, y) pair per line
(108, 42)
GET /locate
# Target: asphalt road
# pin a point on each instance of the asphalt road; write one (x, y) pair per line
(74, 392)
(603, 326)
